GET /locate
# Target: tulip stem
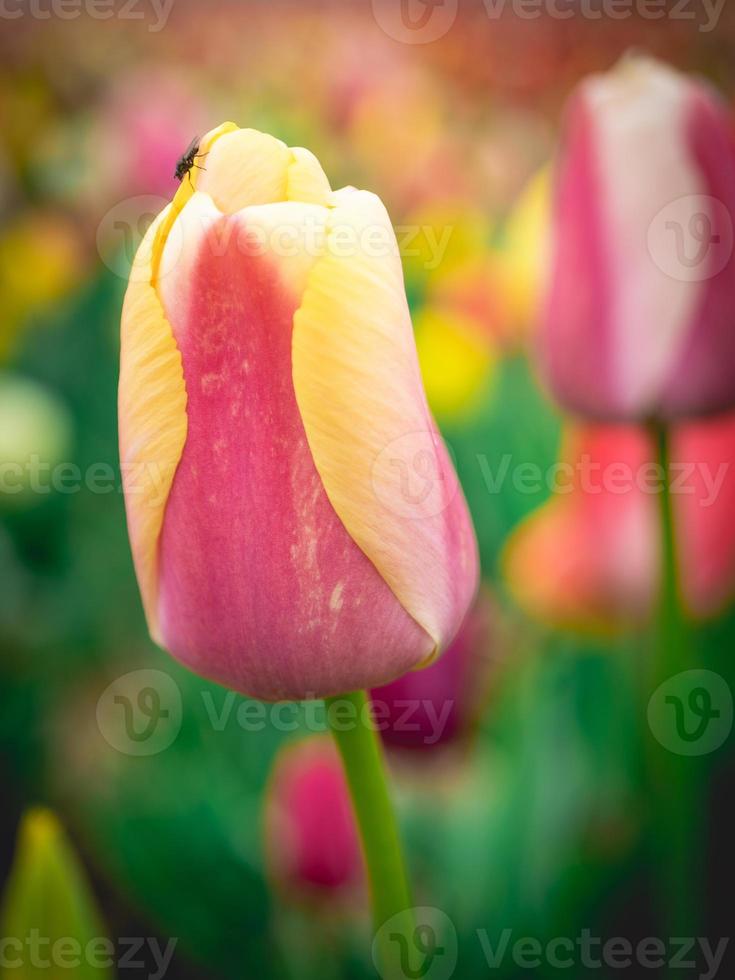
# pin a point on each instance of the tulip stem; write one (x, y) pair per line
(675, 789)
(671, 655)
(362, 757)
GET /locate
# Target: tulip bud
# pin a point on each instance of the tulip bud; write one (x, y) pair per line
(296, 524)
(439, 704)
(311, 839)
(48, 907)
(641, 298)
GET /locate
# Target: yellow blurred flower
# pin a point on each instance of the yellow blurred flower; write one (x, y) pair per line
(524, 251)
(457, 362)
(40, 261)
(436, 240)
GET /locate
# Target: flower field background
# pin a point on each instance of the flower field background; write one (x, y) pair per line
(529, 809)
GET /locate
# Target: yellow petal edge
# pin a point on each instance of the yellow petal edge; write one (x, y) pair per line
(251, 168)
(152, 397)
(359, 392)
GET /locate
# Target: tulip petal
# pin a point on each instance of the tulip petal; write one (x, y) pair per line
(245, 167)
(306, 181)
(702, 376)
(261, 586)
(651, 307)
(358, 387)
(152, 417)
(152, 393)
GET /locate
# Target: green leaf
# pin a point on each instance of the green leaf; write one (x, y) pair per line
(49, 920)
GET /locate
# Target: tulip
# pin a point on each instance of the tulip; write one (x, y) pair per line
(438, 705)
(590, 558)
(311, 841)
(296, 525)
(587, 558)
(637, 321)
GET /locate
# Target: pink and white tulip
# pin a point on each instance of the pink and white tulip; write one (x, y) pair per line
(296, 524)
(640, 305)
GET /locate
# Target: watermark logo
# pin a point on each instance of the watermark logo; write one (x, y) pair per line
(692, 712)
(423, 21)
(140, 712)
(153, 13)
(121, 232)
(691, 239)
(66, 956)
(417, 944)
(415, 21)
(408, 477)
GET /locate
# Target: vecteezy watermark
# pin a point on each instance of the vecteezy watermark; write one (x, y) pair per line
(417, 944)
(141, 712)
(36, 475)
(65, 953)
(154, 12)
(592, 952)
(691, 238)
(415, 21)
(421, 944)
(705, 13)
(617, 478)
(123, 228)
(424, 21)
(409, 479)
(691, 713)
(403, 716)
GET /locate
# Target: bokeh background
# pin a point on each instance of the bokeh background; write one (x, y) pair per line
(538, 822)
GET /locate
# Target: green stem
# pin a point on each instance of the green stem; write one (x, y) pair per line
(676, 789)
(362, 757)
(671, 653)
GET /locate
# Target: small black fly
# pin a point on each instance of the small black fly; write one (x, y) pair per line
(186, 161)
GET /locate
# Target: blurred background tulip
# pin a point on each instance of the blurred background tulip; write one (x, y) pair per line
(641, 290)
(590, 557)
(310, 834)
(442, 703)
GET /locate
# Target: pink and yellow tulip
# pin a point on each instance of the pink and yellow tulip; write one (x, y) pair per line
(638, 318)
(296, 524)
